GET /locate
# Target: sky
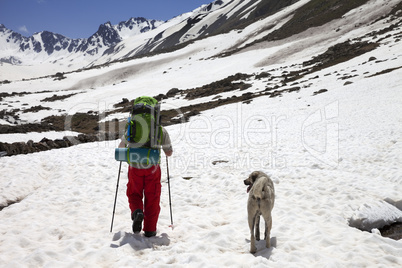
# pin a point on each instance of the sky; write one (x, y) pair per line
(81, 18)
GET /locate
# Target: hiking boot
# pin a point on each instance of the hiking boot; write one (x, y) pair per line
(150, 234)
(137, 218)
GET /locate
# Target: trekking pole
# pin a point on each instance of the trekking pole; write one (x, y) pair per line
(115, 198)
(170, 198)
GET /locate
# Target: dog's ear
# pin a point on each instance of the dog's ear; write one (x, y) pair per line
(254, 175)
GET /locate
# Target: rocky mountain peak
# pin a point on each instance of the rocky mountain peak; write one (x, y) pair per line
(107, 36)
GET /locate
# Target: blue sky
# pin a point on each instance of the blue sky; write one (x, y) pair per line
(81, 18)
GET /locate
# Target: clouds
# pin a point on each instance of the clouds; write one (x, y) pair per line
(23, 29)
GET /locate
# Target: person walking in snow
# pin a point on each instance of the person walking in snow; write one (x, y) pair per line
(144, 186)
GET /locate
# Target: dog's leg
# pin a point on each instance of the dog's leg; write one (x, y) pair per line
(257, 227)
(268, 226)
(251, 223)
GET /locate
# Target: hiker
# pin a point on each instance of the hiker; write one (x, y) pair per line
(144, 180)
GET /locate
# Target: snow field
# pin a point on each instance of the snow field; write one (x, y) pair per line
(67, 195)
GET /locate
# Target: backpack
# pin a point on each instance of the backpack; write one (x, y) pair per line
(143, 129)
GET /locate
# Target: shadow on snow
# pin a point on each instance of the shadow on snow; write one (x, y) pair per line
(139, 241)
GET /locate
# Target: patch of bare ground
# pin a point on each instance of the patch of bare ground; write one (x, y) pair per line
(385, 71)
(86, 123)
(58, 97)
(35, 109)
(393, 231)
(9, 203)
(19, 94)
(339, 53)
(313, 14)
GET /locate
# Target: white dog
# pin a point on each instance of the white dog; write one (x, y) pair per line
(260, 203)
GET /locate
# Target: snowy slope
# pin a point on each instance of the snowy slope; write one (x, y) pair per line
(67, 195)
(99, 89)
(334, 157)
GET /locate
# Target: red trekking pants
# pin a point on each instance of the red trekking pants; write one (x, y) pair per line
(145, 182)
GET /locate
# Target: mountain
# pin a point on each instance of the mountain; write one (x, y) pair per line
(218, 17)
(16, 48)
(255, 22)
(224, 16)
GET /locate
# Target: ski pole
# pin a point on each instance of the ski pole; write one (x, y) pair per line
(170, 198)
(115, 198)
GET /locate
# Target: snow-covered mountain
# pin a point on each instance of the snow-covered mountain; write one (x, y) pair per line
(218, 17)
(44, 46)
